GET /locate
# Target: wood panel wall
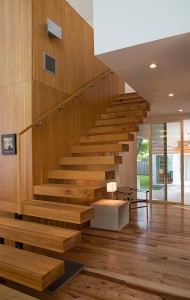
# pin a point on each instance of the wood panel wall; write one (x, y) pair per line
(15, 90)
(77, 66)
(27, 91)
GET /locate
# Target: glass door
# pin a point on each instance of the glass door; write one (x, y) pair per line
(166, 161)
(186, 141)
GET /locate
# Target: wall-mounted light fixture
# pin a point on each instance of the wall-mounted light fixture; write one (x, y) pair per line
(53, 29)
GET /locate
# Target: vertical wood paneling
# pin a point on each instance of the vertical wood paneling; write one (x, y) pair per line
(76, 62)
(15, 91)
(15, 107)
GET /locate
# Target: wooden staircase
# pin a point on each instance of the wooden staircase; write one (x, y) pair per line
(80, 180)
(82, 177)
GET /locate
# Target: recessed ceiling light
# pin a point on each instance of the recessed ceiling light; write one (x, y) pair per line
(180, 110)
(153, 66)
(171, 95)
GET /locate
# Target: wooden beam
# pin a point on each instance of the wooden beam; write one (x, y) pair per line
(105, 148)
(107, 138)
(30, 269)
(125, 120)
(39, 235)
(71, 213)
(84, 175)
(91, 160)
(6, 293)
(128, 107)
(70, 191)
(114, 129)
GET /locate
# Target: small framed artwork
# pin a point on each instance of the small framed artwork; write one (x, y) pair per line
(8, 144)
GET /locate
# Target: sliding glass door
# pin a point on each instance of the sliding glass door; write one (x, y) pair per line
(163, 161)
(166, 162)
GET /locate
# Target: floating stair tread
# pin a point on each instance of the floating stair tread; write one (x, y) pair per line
(30, 269)
(107, 138)
(8, 206)
(123, 114)
(69, 191)
(128, 107)
(125, 120)
(6, 293)
(114, 129)
(78, 174)
(105, 148)
(128, 96)
(39, 235)
(91, 160)
(128, 100)
(72, 213)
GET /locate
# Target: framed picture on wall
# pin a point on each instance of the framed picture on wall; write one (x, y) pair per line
(8, 144)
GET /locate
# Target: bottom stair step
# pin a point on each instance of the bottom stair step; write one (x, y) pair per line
(72, 213)
(39, 235)
(30, 269)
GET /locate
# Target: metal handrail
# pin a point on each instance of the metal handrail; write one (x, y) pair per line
(38, 120)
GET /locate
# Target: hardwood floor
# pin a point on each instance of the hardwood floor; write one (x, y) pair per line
(146, 260)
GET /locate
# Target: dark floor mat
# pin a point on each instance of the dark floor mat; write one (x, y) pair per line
(71, 269)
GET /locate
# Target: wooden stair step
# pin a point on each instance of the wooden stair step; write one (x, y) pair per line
(91, 160)
(39, 235)
(105, 148)
(130, 106)
(78, 174)
(123, 114)
(128, 100)
(114, 129)
(125, 120)
(8, 206)
(76, 214)
(29, 269)
(127, 96)
(6, 293)
(107, 138)
(70, 191)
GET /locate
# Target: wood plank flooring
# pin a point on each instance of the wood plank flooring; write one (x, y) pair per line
(145, 260)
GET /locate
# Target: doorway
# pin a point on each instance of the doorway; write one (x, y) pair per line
(166, 152)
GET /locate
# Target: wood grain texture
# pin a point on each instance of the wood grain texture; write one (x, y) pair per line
(39, 235)
(91, 160)
(74, 53)
(70, 191)
(71, 213)
(146, 256)
(128, 107)
(84, 175)
(126, 120)
(123, 114)
(150, 256)
(127, 128)
(16, 41)
(7, 293)
(106, 138)
(30, 269)
(99, 148)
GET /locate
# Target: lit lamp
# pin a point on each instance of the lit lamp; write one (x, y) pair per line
(161, 171)
(111, 188)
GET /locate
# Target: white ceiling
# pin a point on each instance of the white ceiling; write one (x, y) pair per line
(172, 75)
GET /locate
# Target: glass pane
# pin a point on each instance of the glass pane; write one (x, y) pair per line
(142, 160)
(166, 162)
(159, 161)
(174, 162)
(187, 162)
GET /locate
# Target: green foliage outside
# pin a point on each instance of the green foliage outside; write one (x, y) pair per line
(143, 154)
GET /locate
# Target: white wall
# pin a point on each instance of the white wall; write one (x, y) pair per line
(119, 23)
